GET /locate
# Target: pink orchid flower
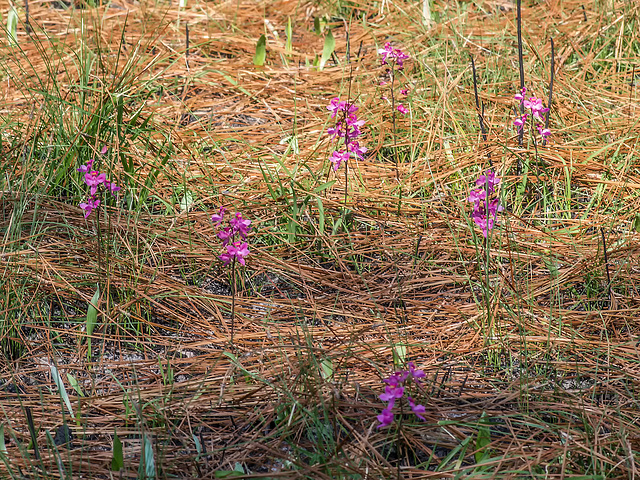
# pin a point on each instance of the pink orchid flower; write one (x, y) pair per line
(88, 206)
(402, 109)
(236, 250)
(337, 158)
(94, 179)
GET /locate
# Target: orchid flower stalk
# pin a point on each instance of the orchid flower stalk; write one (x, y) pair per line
(485, 210)
(397, 385)
(394, 58)
(347, 130)
(233, 239)
(96, 181)
(533, 111)
(98, 184)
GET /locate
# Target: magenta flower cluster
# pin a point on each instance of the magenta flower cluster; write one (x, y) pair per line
(485, 209)
(394, 57)
(535, 110)
(347, 127)
(232, 236)
(395, 390)
(94, 180)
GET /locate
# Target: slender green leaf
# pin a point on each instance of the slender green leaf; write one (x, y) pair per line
(74, 383)
(92, 312)
(3, 447)
(462, 446)
(261, 51)
(320, 216)
(92, 318)
(117, 459)
(324, 186)
(148, 458)
(196, 440)
(267, 181)
(232, 357)
(336, 226)
(289, 31)
(327, 369)
(400, 355)
(12, 26)
(187, 201)
(327, 51)
(63, 391)
(483, 440)
(319, 25)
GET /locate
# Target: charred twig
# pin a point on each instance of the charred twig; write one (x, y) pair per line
(606, 265)
(478, 109)
(553, 64)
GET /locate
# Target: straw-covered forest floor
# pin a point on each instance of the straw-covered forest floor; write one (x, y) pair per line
(529, 341)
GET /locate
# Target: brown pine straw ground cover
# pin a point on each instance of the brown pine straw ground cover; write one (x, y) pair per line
(540, 381)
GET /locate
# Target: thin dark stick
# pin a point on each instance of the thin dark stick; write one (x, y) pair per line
(186, 29)
(478, 109)
(27, 25)
(32, 432)
(348, 43)
(475, 92)
(359, 49)
(399, 443)
(99, 240)
(445, 379)
(520, 64)
(346, 143)
(553, 65)
(464, 382)
(233, 298)
(487, 295)
(433, 389)
(393, 118)
(584, 12)
(346, 185)
(606, 265)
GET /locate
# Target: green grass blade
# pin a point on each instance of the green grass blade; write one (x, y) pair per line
(63, 391)
(117, 459)
(3, 447)
(327, 50)
(261, 51)
(148, 458)
(320, 216)
(74, 383)
(92, 319)
(12, 26)
(289, 32)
